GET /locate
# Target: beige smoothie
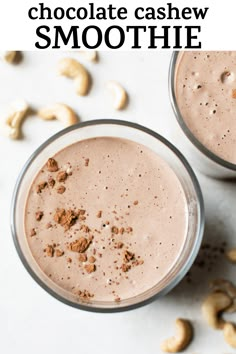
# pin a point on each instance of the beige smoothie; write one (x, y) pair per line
(205, 87)
(106, 219)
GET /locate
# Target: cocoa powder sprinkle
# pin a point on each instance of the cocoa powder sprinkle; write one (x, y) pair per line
(99, 214)
(90, 268)
(125, 267)
(62, 176)
(65, 218)
(32, 232)
(83, 257)
(40, 187)
(59, 253)
(52, 165)
(49, 250)
(38, 215)
(79, 245)
(128, 256)
(51, 182)
(61, 189)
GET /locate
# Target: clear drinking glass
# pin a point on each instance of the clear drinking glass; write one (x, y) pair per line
(141, 135)
(204, 160)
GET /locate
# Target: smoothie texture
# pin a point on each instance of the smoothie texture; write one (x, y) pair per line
(205, 88)
(106, 219)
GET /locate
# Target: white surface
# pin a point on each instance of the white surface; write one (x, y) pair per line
(31, 321)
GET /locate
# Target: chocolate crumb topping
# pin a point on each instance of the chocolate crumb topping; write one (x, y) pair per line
(85, 294)
(114, 230)
(128, 256)
(48, 225)
(84, 228)
(125, 267)
(83, 257)
(92, 259)
(122, 230)
(137, 262)
(119, 245)
(90, 268)
(62, 176)
(129, 229)
(32, 232)
(51, 182)
(234, 93)
(61, 189)
(52, 165)
(79, 245)
(49, 250)
(38, 215)
(86, 162)
(136, 202)
(99, 214)
(65, 218)
(41, 186)
(59, 253)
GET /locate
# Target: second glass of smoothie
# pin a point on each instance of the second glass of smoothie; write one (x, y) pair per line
(203, 96)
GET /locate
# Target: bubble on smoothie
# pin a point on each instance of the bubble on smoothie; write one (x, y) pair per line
(227, 77)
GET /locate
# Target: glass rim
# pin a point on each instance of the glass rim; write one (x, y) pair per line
(183, 125)
(200, 225)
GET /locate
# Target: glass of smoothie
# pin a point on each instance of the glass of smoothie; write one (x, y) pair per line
(202, 89)
(107, 215)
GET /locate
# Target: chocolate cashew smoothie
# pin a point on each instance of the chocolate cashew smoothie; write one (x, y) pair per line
(205, 86)
(106, 219)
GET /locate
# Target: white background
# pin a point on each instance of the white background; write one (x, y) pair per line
(31, 321)
(18, 31)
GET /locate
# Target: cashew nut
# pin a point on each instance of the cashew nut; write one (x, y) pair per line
(230, 334)
(71, 68)
(89, 55)
(182, 338)
(227, 287)
(212, 306)
(59, 111)
(8, 56)
(13, 119)
(231, 255)
(120, 97)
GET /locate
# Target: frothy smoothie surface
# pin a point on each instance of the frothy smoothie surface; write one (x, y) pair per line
(106, 218)
(206, 96)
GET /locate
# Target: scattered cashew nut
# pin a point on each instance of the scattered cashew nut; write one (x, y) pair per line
(72, 69)
(13, 119)
(59, 111)
(8, 56)
(89, 55)
(182, 338)
(227, 287)
(230, 334)
(212, 306)
(231, 255)
(120, 97)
